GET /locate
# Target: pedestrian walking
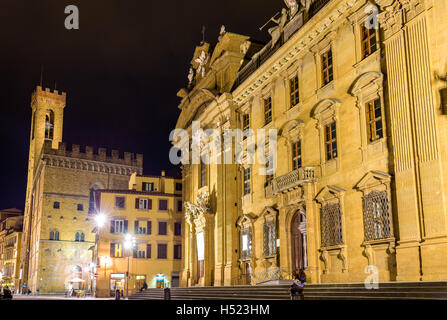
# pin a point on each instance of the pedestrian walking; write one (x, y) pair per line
(117, 294)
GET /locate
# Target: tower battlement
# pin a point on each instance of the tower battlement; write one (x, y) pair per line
(46, 93)
(128, 159)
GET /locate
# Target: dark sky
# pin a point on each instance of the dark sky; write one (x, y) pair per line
(121, 71)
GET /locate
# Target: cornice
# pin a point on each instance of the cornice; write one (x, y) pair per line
(286, 55)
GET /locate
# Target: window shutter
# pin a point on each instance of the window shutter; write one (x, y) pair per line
(148, 251)
(112, 250)
(137, 203)
(136, 227)
(149, 227)
(112, 226)
(134, 252)
(149, 204)
(125, 226)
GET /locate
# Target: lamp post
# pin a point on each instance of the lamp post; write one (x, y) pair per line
(129, 243)
(100, 220)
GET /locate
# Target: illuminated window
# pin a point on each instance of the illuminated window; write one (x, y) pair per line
(116, 250)
(177, 251)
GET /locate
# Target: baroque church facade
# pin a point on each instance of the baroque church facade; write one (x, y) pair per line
(58, 231)
(353, 89)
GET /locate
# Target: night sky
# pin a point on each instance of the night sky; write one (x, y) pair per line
(121, 71)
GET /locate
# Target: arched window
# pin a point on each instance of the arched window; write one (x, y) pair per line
(56, 235)
(51, 235)
(82, 237)
(49, 124)
(77, 236)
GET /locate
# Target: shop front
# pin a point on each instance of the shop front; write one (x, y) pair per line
(117, 281)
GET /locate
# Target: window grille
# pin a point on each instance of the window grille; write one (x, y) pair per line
(376, 216)
(296, 155)
(268, 110)
(374, 120)
(247, 177)
(269, 238)
(331, 226)
(294, 92)
(369, 41)
(327, 67)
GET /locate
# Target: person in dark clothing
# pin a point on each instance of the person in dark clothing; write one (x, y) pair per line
(7, 293)
(296, 289)
(117, 294)
(144, 287)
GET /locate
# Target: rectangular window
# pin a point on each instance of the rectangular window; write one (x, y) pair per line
(162, 205)
(177, 251)
(141, 254)
(162, 252)
(331, 227)
(118, 226)
(162, 228)
(296, 155)
(269, 238)
(245, 122)
(140, 227)
(268, 110)
(120, 202)
(178, 186)
(177, 229)
(376, 216)
(116, 250)
(374, 120)
(80, 207)
(330, 137)
(56, 205)
(369, 40)
(327, 67)
(246, 245)
(247, 177)
(149, 227)
(148, 186)
(143, 203)
(148, 251)
(294, 91)
(202, 174)
(179, 206)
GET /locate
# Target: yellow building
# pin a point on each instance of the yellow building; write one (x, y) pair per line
(359, 187)
(150, 212)
(59, 209)
(10, 245)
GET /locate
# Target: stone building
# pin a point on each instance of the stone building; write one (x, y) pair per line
(10, 244)
(58, 239)
(150, 211)
(354, 89)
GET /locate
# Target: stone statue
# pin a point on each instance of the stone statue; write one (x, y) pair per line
(190, 75)
(276, 31)
(202, 60)
(222, 32)
(293, 7)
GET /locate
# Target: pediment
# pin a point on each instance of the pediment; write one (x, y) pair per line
(246, 218)
(329, 193)
(268, 212)
(365, 80)
(372, 179)
(292, 129)
(325, 106)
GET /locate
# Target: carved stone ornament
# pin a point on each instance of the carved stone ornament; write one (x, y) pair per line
(193, 211)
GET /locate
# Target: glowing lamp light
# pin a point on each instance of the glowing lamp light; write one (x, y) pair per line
(100, 219)
(129, 241)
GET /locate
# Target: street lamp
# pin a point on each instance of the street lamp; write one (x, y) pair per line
(100, 220)
(129, 242)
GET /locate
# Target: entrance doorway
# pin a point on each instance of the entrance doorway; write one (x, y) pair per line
(200, 257)
(299, 242)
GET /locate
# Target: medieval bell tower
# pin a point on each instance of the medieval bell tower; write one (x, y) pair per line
(46, 126)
